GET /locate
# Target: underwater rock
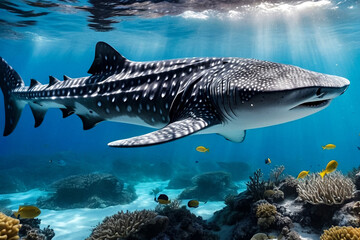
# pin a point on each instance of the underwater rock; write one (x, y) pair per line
(260, 236)
(180, 181)
(183, 225)
(288, 234)
(357, 181)
(347, 215)
(238, 170)
(213, 186)
(90, 191)
(238, 207)
(10, 184)
(288, 186)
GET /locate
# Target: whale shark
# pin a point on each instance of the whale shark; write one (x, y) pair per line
(178, 97)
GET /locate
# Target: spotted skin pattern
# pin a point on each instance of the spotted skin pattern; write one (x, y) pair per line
(181, 96)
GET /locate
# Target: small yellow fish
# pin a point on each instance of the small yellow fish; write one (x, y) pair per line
(330, 167)
(193, 204)
(162, 199)
(328, 146)
(27, 212)
(302, 174)
(267, 161)
(202, 149)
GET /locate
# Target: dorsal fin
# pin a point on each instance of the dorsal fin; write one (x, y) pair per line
(53, 80)
(66, 78)
(107, 59)
(33, 83)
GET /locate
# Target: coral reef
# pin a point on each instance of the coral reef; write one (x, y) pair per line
(257, 186)
(214, 186)
(30, 230)
(169, 222)
(9, 227)
(274, 195)
(183, 225)
(265, 214)
(334, 188)
(276, 174)
(129, 225)
(90, 191)
(341, 233)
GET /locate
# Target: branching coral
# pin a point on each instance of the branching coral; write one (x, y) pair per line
(334, 188)
(341, 233)
(276, 174)
(9, 227)
(121, 225)
(265, 213)
(256, 186)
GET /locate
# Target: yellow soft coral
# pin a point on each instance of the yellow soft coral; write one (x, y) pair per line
(9, 227)
(341, 233)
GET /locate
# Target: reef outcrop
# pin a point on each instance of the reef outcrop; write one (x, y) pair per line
(167, 222)
(214, 186)
(30, 230)
(89, 191)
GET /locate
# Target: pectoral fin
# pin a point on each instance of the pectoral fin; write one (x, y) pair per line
(234, 136)
(174, 130)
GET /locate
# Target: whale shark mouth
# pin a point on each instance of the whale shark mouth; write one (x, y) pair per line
(314, 104)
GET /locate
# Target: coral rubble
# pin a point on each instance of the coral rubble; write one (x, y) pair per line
(9, 227)
(214, 186)
(91, 191)
(334, 188)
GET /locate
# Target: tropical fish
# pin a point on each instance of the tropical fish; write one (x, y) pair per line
(193, 204)
(330, 167)
(196, 161)
(181, 97)
(328, 146)
(163, 199)
(202, 149)
(27, 212)
(303, 174)
(267, 161)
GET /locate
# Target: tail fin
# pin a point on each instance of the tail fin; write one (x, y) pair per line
(9, 81)
(322, 174)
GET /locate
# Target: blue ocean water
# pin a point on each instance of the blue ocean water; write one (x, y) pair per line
(323, 36)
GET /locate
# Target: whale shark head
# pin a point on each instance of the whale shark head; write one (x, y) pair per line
(261, 93)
